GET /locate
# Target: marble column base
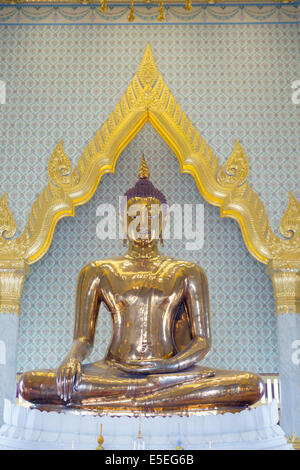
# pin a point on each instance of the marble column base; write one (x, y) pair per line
(31, 429)
(9, 325)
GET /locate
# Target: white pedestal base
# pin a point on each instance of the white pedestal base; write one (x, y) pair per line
(254, 429)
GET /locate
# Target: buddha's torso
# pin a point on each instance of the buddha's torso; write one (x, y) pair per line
(143, 296)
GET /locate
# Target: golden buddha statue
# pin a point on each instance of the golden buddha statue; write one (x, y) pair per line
(161, 331)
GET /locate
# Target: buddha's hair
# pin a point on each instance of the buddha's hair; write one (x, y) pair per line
(143, 188)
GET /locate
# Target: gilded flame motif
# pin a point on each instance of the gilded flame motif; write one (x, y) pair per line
(59, 168)
(236, 168)
(290, 228)
(149, 99)
(148, 70)
(144, 170)
(11, 248)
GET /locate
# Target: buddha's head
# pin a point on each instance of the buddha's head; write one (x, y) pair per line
(144, 213)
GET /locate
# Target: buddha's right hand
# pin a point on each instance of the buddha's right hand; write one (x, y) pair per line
(68, 377)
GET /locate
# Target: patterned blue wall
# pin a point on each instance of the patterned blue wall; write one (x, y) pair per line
(232, 81)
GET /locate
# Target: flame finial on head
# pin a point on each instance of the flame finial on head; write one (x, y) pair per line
(143, 187)
(144, 173)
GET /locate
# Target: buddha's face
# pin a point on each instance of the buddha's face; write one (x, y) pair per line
(144, 220)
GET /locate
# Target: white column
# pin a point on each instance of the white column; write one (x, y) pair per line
(12, 276)
(286, 282)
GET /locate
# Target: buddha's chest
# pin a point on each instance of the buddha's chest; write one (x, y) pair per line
(150, 298)
(144, 290)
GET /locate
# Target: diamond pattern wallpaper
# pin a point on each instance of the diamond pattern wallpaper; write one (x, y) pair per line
(233, 81)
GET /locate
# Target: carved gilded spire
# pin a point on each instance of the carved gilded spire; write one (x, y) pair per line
(144, 170)
(148, 70)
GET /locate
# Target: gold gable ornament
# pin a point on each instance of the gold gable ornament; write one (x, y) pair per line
(148, 99)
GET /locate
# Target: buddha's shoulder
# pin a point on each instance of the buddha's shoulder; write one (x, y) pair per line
(186, 267)
(167, 265)
(103, 263)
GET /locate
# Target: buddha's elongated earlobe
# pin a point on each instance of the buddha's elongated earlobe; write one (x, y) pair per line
(161, 239)
(162, 223)
(124, 241)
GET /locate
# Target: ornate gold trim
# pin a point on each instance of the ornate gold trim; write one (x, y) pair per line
(11, 248)
(294, 440)
(12, 277)
(285, 276)
(149, 99)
